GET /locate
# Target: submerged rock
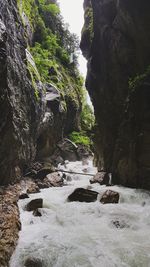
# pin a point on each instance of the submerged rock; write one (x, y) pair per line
(110, 197)
(101, 178)
(37, 213)
(34, 204)
(32, 262)
(120, 224)
(83, 195)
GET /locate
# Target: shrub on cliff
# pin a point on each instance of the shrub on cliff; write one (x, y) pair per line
(80, 138)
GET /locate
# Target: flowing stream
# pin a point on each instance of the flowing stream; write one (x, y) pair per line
(74, 234)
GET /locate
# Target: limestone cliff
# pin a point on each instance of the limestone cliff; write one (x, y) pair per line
(34, 106)
(118, 82)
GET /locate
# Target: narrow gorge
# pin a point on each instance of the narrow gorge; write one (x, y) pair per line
(74, 179)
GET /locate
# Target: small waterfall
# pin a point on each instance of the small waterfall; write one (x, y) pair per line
(110, 178)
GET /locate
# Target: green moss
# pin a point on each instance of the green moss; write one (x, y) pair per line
(138, 80)
(34, 78)
(30, 8)
(89, 23)
(80, 138)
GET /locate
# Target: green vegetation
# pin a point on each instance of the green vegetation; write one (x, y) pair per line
(84, 137)
(88, 26)
(53, 46)
(55, 52)
(53, 9)
(138, 79)
(34, 78)
(80, 138)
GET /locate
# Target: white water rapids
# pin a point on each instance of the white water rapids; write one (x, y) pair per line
(74, 234)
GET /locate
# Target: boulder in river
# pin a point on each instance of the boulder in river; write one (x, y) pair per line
(83, 195)
(33, 189)
(23, 196)
(43, 184)
(110, 197)
(101, 178)
(34, 204)
(33, 262)
(68, 150)
(55, 179)
(41, 174)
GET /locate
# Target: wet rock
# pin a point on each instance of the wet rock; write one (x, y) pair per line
(23, 196)
(33, 262)
(37, 213)
(44, 184)
(83, 195)
(68, 178)
(57, 159)
(68, 150)
(33, 189)
(55, 179)
(84, 153)
(110, 197)
(101, 178)
(34, 204)
(41, 174)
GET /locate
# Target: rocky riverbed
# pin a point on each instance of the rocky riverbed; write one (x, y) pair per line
(84, 234)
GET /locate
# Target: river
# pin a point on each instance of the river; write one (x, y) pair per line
(74, 234)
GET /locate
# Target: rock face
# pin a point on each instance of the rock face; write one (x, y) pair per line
(33, 114)
(19, 110)
(119, 50)
(67, 150)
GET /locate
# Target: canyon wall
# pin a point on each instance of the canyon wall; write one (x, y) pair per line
(35, 109)
(115, 41)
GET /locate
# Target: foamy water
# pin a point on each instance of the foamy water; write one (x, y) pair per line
(86, 234)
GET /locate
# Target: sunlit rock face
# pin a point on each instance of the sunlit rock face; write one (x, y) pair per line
(119, 51)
